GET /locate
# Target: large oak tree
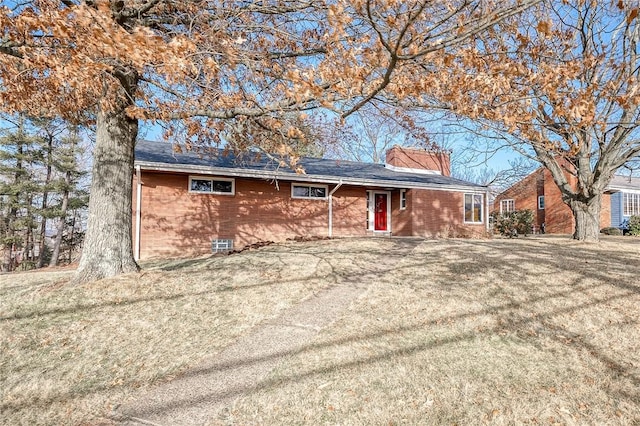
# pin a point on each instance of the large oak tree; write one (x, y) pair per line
(210, 71)
(562, 86)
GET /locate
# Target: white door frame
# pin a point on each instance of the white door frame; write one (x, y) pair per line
(372, 210)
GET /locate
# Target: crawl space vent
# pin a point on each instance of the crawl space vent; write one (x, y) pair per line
(221, 246)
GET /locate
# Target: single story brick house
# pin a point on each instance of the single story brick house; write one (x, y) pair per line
(184, 202)
(539, 193)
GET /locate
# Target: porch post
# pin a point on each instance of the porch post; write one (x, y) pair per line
(331, 207)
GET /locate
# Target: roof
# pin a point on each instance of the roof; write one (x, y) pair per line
(624, 183)
(160, 156)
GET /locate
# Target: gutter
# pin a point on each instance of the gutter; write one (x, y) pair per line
(136, 253)
(614, 189)
(486, 215)
(331, 207)
(295, 177)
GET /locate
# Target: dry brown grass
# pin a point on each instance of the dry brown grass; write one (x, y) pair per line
(527, 331)
(537, 330)
(68, 354)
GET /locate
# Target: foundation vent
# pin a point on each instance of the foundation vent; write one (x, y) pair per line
(221, 245)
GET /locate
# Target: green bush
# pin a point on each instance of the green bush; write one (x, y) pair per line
(634, 225)
(512, 224)
(611, 230)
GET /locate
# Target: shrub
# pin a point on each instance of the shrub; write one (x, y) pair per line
(611, 230)
(633, 225)
(512, 224)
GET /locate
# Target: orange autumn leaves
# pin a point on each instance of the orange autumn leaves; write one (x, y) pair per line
(224, 59)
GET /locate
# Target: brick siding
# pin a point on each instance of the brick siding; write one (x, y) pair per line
(605, 211)
(556, 215)
(525, 195)
(177, 223)
(419, 159)
(401, 220)
(441, 214)
(559, 215)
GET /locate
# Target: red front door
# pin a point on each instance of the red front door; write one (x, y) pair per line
(380, 212)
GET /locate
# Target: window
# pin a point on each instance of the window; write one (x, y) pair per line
(309, 191)
(403, 199)
(473, 208)
(630, 204)
(507, 206)
(541, 202)
(206, 185)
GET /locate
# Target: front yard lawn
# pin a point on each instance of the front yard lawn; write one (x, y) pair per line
(538, 330)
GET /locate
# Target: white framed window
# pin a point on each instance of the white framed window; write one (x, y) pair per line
(541, 202)
(630, 204)
(315, 192)
(507, 206)
(473, 208)
(211, 185)
(403, 199)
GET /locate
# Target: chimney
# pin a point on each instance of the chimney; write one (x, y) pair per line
(418, 160)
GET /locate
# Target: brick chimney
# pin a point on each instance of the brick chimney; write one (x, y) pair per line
(418, 160)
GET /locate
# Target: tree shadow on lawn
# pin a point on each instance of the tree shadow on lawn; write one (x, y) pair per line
(587, 262)
(522, 325)
(336, 275)
(518, 317)
(362, 258)
(11, 276)
(617, 370)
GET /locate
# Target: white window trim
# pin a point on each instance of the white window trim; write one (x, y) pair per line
(506, 202)
(629, 203)
(369, 211)
(211, 178)
(403, 199)
(326, 191)
(541, 197)
(464, 216)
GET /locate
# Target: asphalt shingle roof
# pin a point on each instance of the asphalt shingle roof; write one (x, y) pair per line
(161, 156)
(625, 183)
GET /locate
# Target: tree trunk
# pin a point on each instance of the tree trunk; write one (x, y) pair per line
(587, 218)
(42, 242)
(45, 200)
(30, 251)
(61, 221)
(12, 214)
(7, 249)
(72, 242)
(107, 250)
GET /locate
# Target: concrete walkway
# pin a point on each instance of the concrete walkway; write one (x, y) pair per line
(198, 396)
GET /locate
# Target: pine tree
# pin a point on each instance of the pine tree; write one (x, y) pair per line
(40, 173)
(18, 188)
(71, 198)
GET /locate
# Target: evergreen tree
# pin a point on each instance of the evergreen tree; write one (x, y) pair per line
(40, 176)
(18, 188)
(72, 198)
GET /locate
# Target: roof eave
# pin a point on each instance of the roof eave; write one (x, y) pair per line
(296, 177)
(614, 188)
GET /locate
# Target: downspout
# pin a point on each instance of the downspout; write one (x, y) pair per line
(331, 207)
(486, 215)
(136, 253)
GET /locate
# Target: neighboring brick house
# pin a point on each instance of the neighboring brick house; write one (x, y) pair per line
(539, 193)
(184, 201)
